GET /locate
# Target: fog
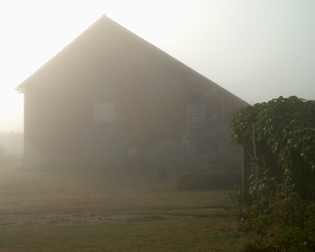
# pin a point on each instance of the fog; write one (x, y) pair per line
(256, 50)
(12, 143)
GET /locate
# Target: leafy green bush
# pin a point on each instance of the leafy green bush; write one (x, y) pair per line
(285, 128)
(277, 215)
(287, 224)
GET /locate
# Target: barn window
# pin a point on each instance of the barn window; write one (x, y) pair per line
(196, 107)
(104, 94)
(104, 103)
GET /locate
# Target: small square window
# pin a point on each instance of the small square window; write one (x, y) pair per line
(104, 94)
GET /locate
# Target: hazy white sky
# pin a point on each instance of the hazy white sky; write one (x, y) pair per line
(256, 49)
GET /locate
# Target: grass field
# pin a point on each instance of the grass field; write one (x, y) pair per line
(110, 211)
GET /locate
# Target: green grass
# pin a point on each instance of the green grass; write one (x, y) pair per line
(110, 211)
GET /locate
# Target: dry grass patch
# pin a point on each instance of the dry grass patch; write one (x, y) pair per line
(109, 211)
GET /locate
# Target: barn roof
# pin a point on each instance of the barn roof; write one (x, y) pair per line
(87, 55)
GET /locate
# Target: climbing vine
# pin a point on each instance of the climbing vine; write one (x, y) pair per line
(277, 215)
(287, 127)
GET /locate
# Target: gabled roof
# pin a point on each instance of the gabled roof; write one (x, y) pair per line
(89, 54)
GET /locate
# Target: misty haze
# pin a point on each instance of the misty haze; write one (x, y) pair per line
(126, 147)
(131, 144)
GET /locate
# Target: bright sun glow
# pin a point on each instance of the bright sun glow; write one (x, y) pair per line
(34, 35)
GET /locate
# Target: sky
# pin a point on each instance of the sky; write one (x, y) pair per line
(257, 50)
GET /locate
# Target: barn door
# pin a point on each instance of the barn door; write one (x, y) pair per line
(104, 145)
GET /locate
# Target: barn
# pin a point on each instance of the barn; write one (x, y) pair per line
(110, 97)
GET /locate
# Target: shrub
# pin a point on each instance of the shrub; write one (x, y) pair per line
(274, 217)
(277, 217)
(287, 224)
(285, 128)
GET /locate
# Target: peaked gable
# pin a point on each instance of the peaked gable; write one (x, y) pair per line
(107, 47)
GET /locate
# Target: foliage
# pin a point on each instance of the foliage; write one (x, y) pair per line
(274, 220)
(287, 223)
(286, 126)
(277, 216)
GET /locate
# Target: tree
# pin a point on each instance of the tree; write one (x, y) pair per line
(285, 129)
